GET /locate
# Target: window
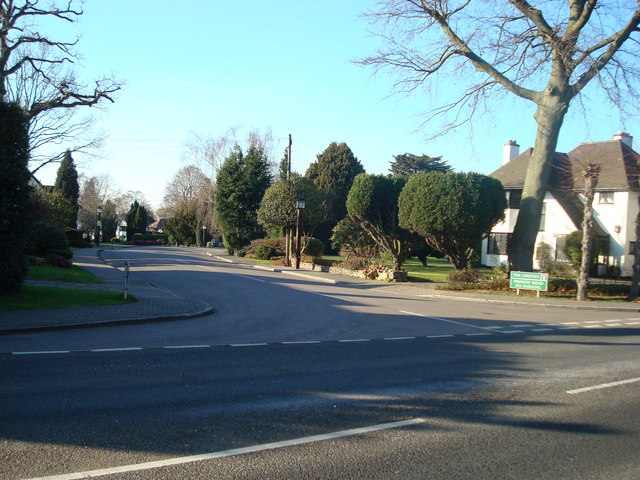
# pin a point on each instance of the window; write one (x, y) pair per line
(560, 255)
(497, 244)
(543, 217)
(606, 197)
(514, 197)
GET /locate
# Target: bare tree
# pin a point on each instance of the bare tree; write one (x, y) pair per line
(545, 54)
(185, 187)
(36, 71)
(209, 152)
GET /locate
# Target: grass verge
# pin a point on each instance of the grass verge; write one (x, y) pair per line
(49, 273)
(35, 297)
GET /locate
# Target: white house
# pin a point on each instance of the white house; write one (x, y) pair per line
(615, 204)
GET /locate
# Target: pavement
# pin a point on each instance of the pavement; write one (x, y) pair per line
(157, 304)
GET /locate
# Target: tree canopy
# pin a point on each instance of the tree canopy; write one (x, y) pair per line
(453, 211)
(373, 203)
(241, 183)
(410, 164)
(544, 52)
(277, 207)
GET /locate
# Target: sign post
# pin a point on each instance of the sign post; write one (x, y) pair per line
(529, 281)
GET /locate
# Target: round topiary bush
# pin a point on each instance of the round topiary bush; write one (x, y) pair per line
(313, 247)
(46, 237)
(264, 252)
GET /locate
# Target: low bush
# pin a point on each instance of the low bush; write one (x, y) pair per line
(37, 261)
(46, 237)
(264, 252)
(356, 263)
(464, 276)
(66, 253)
(73, 235)
(115, 240)
(58, 260)
(313, 247)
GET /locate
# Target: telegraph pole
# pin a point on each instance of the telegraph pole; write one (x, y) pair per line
(287, 239)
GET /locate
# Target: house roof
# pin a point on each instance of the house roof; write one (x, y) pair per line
(158, 224)
(619, 167)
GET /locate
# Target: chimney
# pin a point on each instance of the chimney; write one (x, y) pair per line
(510, 151)
(624, 137)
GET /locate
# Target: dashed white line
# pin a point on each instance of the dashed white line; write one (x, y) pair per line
(301, 342)
(400, 338)
(49, 352)
(355, 340)
(477, 334)
(440, 336)
(248, 344)
(176, 347)
(123, 349)
(603, 385)
(542, 329)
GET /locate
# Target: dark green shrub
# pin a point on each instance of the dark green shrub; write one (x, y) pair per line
(15, 197)
(73, 234)
(356, 263)
(313, 247)
(464, 276)
(58, 261)
(46, 237)
(67, 253)
(137, 236)
(37, 261)
(264, 252)
(115, 240)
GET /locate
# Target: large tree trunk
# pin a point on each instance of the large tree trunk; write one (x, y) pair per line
(635, 279)
(591, 173)
(549, 117)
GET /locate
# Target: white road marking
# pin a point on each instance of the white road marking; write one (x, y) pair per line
(41, 353)
(176, 347)
(633, 323)
(477, 334)
(223, 259)
(521, 325)
(301, 342)
(440, 336)
(570, 323)
(542, 329)
(355, 340)
(444, 320)
(511, 331)
(248, 344)
(603, 385)
(400, 338)
(123, 349)
(250, 278)
(169, 462)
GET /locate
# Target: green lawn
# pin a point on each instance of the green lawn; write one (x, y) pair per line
(32, 298)
(50, 273)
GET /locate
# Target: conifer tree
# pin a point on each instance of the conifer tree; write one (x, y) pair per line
(67, 184)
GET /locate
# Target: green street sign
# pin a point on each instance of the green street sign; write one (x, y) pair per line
(529, 281)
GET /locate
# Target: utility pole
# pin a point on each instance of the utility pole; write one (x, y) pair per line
(287, 236)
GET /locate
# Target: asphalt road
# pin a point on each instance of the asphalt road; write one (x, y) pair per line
(488, 391)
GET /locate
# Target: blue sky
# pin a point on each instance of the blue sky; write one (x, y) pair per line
(203, 66)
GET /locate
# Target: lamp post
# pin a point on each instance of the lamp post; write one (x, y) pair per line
(99, 224)
(204, 231)
(300, 204)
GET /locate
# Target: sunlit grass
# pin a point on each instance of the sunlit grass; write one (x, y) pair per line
(51, 273)
(35, 297)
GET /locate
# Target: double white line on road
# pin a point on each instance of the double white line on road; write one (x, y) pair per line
(230, 453)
